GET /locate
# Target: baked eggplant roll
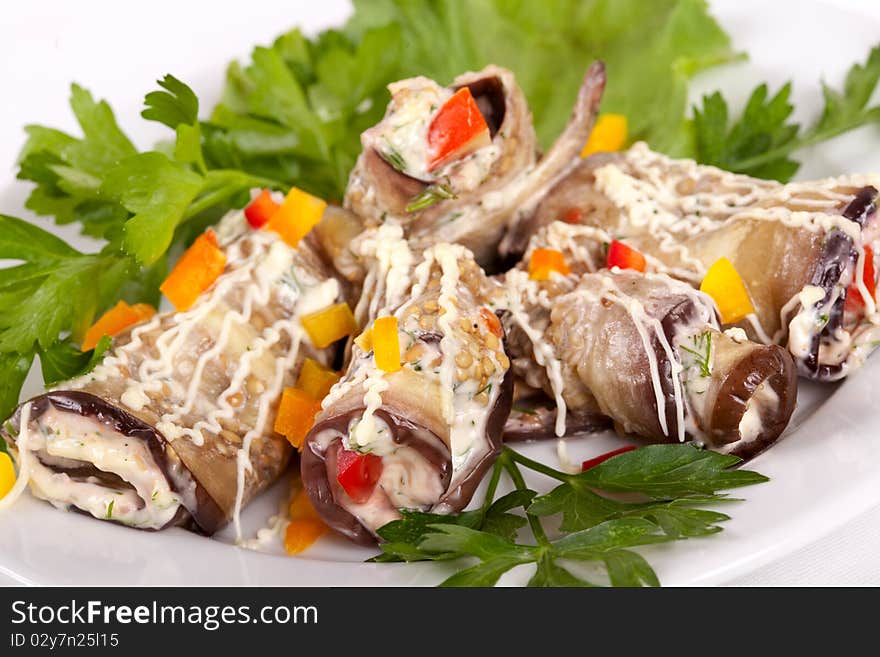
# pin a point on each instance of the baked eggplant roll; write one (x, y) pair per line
(646, 351)
(418, 416)
(800, 248)
(176, 423)
(457, 164)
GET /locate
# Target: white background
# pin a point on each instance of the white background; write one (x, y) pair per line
(47, 44)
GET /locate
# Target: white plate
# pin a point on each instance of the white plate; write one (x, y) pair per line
(825, 471)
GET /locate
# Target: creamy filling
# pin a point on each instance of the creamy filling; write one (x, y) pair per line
(763, 402)
(146, 501)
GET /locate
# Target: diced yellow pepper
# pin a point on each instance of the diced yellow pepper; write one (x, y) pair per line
(7, 475)
(723, 283)
(365, 341)
(329, 325)
(301, 506)
(316, 380)
(386, 344)
(296, 216)
(296, 415)
(608, 135)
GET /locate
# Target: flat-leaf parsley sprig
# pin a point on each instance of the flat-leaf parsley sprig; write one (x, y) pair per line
(669, 483)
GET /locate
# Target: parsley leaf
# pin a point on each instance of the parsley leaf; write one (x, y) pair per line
(14, 368)
(596, 530)
(761, 141)
(63, 360)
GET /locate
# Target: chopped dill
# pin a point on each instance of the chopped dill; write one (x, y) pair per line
(703, 352)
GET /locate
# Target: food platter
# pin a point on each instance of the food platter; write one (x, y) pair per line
(823, 472)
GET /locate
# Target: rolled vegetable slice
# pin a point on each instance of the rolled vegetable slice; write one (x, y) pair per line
(422, 436)
(467, 200)
(647, 352)
(799, 248)
(175, 425)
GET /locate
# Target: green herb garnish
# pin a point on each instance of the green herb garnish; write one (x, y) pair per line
(702, 351)
(675, 480)
(761, 141)
(431, 195)
(393, 157)
(110, 510)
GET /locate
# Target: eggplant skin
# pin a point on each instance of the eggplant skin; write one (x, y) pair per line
(207, 516)
(314, 464)
(772, 366)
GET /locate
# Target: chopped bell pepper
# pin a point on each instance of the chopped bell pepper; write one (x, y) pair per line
(493, 324)
(195, 272)
(260, 210)
(365, 340)
(608, 135)
(7, 474)
(543, 261)
(296, 415)
(329, 325)
(296, 216)
(457, 130)
(115, 320)
(723, 283)
(358, 473)
(625, 257)
(854, 301)
(316, 380)
(573, 216)
(301, 534)
(596, 460)
(386, 344)
(305, 525)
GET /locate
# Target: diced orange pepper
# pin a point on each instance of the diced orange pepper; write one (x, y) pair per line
(723, 283)
(296, 415)
(543, 261)
(316, 380)
(608, 135)
(260, 210)
(301, 506)
(329, 325)
(195, 272)
(302, 533)
(296, 216)
(493, 324)
(386, 344)
(573, 216)
(7, 474)
(115, 320)
(305, 525)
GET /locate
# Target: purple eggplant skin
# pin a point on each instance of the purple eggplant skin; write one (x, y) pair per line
(839, 255)
(316, 464)
(206, 518)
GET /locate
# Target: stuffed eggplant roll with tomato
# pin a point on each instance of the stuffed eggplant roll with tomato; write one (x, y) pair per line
(646, 351)
(417, 418)
(176, 423)
(458, 163)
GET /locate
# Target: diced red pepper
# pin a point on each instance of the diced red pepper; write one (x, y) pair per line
(457, 130)
(854, 301)
(358, 473)
(625, 257)
(573, 216)
(260, 209)
(593, 462)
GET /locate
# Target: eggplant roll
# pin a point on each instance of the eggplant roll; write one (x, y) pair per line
(799, 248)
(435, 424)
(176, 423)
(469, 199)
(646, 351)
